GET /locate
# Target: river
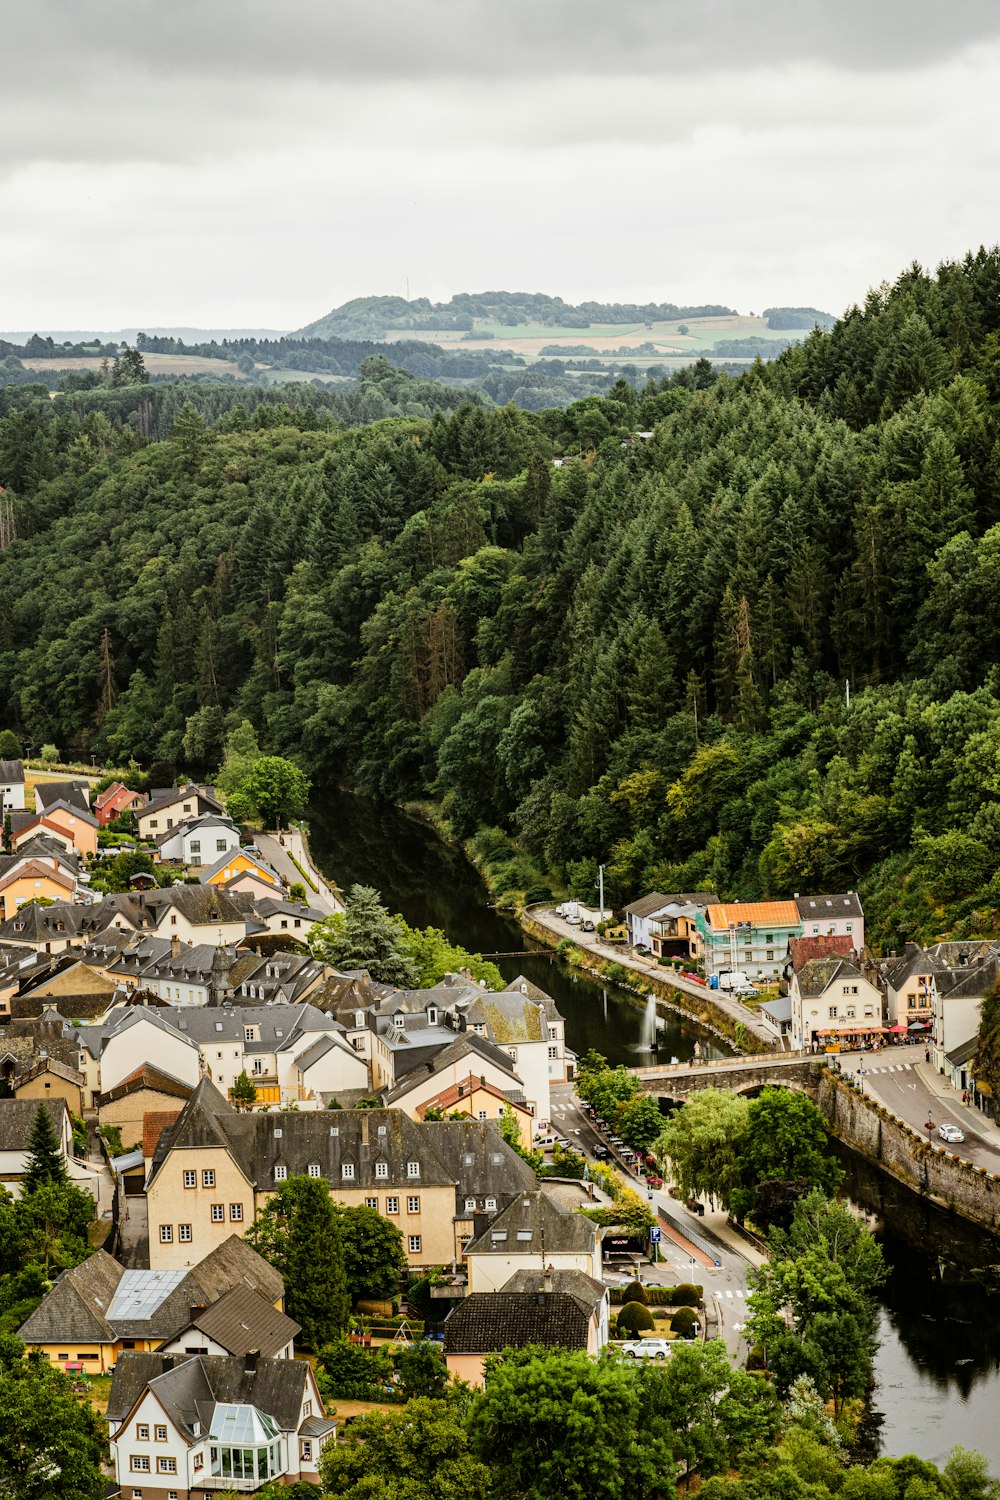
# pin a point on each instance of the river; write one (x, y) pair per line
(938, 1367)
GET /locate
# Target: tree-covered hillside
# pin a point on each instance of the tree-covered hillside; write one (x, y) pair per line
(641, 656)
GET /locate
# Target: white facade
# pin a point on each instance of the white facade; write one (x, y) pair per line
(956, 1021)
(532, 1063)
(144, 1042)
(201, 841)
(848, 1005)
(14, 1164)
(490, 1271)
(11, 797)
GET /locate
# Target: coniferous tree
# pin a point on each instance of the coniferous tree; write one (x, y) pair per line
(299, 1231)
(45, 1160)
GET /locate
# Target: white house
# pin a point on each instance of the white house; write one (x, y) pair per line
(531, 1231)
(832, 1001)
(199, 841)
(182, 1425)
(130, 1037)
(833, 916)
(11, 786)
(17, 1120)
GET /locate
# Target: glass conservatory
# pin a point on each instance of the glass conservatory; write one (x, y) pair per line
(244, 1444)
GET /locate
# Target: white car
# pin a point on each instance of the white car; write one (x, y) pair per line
(951, 1134)
(646, 1348)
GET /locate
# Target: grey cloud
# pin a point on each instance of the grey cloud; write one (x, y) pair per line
(49, 42)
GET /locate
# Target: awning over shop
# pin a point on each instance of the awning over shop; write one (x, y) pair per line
(854, 1030)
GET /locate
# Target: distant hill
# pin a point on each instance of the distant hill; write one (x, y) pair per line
(373, 317)
(798, 317)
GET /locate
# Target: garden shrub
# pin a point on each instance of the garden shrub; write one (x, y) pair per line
(635, 1317)
(687, 1295)
(636, 1292)
(684, 1323)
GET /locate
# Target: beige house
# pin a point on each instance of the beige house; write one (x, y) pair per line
(48, 1078)
(214, 1168)
(147, 1090)
(17, 1119)
(98, 1310)
(532, 1228)
(173, 806)
(446, 1069)
(834, 1004)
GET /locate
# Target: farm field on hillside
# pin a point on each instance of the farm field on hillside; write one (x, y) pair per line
(528, 339)
(156, 364)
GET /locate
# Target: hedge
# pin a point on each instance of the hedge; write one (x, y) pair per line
(685, 1295)
(684, 1323)
(634, 1317)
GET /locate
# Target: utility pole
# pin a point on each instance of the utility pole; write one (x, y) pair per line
(600, 877)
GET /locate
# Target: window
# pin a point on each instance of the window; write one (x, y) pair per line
(491, 1204)
(413, 1169)
(199, 1462)
(218, 1212)
(432, 1015)
(313, 1170)
(770, 953)
(166, 1466)
(249, 1033)
(140, 1463)
(190, 1179)
(382, 1171)
(414, 1244)
(747, 955)
(869, 1012)
(166, 1234)
(413, 1205)
(208, 1177)
(220, 846)
(307, 1408)
(769, 938)
(280, 1174)
(848, 926)
(832, 1012)
(392, 1205)
(160, 1433)
(512, 1053)
(470, 1205)
(372, 1203)
(346, 1171)
(553, 1052)
(382, 1130)
(184, 1233)
(236, 1212)
(196, 846)
(850, 1012)
(307, 1450)
(141, 1429)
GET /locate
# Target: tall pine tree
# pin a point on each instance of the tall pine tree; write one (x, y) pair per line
(45, 1160)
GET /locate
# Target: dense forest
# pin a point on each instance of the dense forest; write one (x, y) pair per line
(757, 652)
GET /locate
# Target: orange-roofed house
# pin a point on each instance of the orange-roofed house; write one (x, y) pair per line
(474, 1099)
(73, 822)
(115, 800)
(748, 937)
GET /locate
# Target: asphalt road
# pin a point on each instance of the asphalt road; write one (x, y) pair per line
(897, 1081)
(725, 1285)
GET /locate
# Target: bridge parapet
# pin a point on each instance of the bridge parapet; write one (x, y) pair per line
(741, 1074)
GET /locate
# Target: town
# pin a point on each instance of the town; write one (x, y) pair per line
(177, 1053)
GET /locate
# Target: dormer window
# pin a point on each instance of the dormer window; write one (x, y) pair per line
(359, 1018)
(470, 1205)
(382, 1171)
(413, 1169)
(432, 1015)
(491, 1204)
(346, 1171)
(280, 1174)
(313, 1169)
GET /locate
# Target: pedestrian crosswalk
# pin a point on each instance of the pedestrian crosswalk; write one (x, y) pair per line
(889, 1067)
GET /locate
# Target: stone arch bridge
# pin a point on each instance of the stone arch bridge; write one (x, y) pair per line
(744, 1075)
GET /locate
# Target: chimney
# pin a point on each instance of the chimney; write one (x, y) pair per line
(547, 1279)
(364, 1127)
(175, 946)
(250, 1361)
(168, 1363)
(194, 1309)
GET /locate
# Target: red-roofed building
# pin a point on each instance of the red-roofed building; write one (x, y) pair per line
(801, 950)
(115, 800)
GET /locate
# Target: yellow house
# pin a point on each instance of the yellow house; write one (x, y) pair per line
(473, 1098)
(63, 818)
(98, 1309)
(214, 1168)
(36, 880)
(240, 862)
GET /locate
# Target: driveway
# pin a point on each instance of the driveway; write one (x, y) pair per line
(278, 849)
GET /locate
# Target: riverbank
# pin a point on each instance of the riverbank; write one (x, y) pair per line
(508, 872)
(727, 1018)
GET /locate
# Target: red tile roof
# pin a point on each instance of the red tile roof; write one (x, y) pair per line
(803, 949)
(154, 1122)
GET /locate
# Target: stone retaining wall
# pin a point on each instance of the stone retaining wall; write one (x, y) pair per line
(875, 1132)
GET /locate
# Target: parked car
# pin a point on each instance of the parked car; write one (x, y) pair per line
(587, 926)
(646, 1348)
(951, 1134)
(602, 1153)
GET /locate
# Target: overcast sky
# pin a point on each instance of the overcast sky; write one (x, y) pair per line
(232, 163)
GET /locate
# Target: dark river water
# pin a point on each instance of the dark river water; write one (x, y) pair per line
(938, 1367)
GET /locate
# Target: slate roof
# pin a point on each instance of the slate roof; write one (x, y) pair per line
(486, 1322)
(526, 986)
(533, 1225)
(11, 772)
(242, 1321)
(206, 872)
(40, 924)
(170, 796)
(281, 1026)
(191, 824)
(588, 1293)
(99, 1301)
(468, 1048)
(509, 1017)
(75, 794)
(469, 1155)
(815, 908)
(17, 1116)
(192, 1386)
(815, 977)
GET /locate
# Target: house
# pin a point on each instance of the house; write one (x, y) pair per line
(76, 823)
(515, 1022)
(561, 1063)
(472, 1098)
(50, 1078)
(564, 1309)
(182, 1425)
(448, 1068)
(749, 937)
(530, 1231)
(17, 1120)
(958, 995)
(115, 800)
(73, 793)
(776, 1015)
(274, 914)
(46, 929)
(911, 979)
(214, 1168)
(191, 913)
(241, 1322)
(673, 932)
(11, 787)
(71, 981)
(639, 915)
(833, 1002)
(35, 880)
(839, 915)
(253, 882)
(172, 805)
(198, 841)
(227, 869)
(128, 1037)
(146, 1090)
(98, 1310)
(35, 831)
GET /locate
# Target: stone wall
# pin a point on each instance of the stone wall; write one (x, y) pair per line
(876, 1133)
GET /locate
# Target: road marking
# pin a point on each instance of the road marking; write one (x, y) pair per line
(728, 1292)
